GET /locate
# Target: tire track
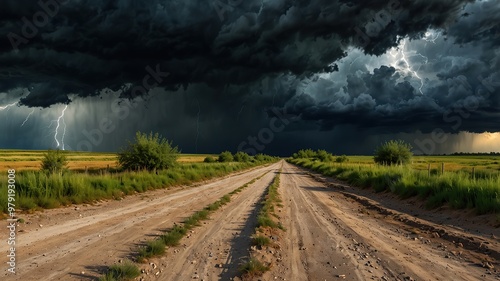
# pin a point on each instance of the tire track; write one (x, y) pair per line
(70, 248)
(214, 250)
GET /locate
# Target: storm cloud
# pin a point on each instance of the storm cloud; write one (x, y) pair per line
(57, 48)
(221, 68)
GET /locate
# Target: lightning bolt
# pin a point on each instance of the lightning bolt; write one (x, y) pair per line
(197, 125)
(28, 117)
(8, 106)
(61, 117)
(401, 50)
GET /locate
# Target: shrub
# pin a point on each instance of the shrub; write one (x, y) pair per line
(148, 152)
(342, 159)
(305, 153)
(209, 159)
(323, 155)
(54, 161)
(241, 156)
(394, 152)
(226, 156)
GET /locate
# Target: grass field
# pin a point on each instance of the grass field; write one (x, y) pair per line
(22, 160)
(457, 187)
(451, 163)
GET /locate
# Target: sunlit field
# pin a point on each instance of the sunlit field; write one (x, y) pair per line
(31, 159)
(451, 162)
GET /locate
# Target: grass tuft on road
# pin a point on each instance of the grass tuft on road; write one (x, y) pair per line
(253, 268)
(121, 272)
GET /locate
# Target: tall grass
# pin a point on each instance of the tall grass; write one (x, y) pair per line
(459, 189)
(35, 189)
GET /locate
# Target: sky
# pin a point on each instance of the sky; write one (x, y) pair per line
(270, 76)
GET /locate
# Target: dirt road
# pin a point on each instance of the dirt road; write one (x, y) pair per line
(78, 243)
(333, 232)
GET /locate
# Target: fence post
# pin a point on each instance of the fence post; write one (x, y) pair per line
(474, 173)
(429, 169)
(442, 168)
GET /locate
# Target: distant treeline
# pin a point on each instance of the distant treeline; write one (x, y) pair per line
(466, 154)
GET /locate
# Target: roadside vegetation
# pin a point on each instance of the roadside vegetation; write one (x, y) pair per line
(149, 152)
(459, 189)
(150, 162)
(121, 272)
(267, 225)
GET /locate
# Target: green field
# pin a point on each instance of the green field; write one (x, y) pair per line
(451, 163)
(459, 186)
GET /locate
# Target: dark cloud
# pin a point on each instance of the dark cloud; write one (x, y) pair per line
(211, 77)
(84, 47)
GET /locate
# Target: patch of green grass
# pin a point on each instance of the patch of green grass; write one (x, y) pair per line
(152, 248)
(253, 268)
(260, 240)
(172, 237)
(121, 272)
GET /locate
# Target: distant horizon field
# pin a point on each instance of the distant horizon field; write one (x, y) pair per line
(31, 159)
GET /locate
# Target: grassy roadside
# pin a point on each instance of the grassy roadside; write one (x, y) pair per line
(459, 190)
(38, 190)
(170, 238)
(267, 226)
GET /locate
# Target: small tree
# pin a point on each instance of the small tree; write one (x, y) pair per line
(394, 152)
(226, 156)
(323, 155)
(54, 161)
(241, 156)
(149, 152)
(306, 153)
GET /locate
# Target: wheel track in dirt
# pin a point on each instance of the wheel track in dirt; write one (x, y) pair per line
(67, 246)
(374, 247)
(216, 248)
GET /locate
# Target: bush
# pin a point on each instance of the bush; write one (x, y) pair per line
(209, 159)
(393, 153)
(226, 156)
(342, 159)
(148, 152)
(304, 153)
(324, 156)
(54, 161)
(241, 156)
